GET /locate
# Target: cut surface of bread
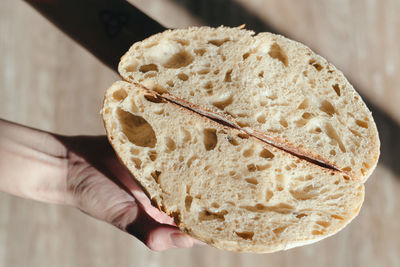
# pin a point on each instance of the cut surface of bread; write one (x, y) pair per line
(222, 185)
(273, 88)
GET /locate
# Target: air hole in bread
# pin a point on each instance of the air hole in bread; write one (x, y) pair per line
(365, 165)
(232, 140)
(137, 162)
(316, 65)
(268, 195)
(261, 74)
(302, 194)
(135, 151)
(190, 161)
(156, 176)
(228, 76)
(356, 133)
(301, 123)
(336, 196)
(304, 104)
(148, 67)
(186, 135)
(154, 98)
(208, 87)
(170, 83)
(362, 124)
(179, 60)
(148, 46)
(223, 102)
(245, 235)
(283, 122)
(207, 215)
(332, 152)
(304, 178)
(215, 205)
(327, 107)
(200, 51)
(336, 88)
(188, 202)
(251, 167)
(252, 181)
(248, 152)
(276, 52)
(245, 55)
(330, 131)
(301, 215)
(243, 124)
(150, 74)
(279, 230)
(266, 154)
(243, 136)
(307, 115)
(170, 144)
(317, 232)
(120, 95)
(182, 42)
(159, 111)
(218, 42)
(158, 89)
(183, 77)
(335, 216)
(203, 71)
(347, 169)
(152, 155)
(136, 129)
(281, 208)
(261, 118)
(210, 139)
(318, 130)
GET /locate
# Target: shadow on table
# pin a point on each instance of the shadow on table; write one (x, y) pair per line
(231, 13)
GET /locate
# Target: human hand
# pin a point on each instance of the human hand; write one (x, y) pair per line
(100, 186)
(84, 172)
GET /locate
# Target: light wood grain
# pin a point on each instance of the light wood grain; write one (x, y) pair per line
(49, 82)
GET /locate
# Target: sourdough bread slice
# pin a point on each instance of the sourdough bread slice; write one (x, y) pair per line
(220, 184)
(272, 87)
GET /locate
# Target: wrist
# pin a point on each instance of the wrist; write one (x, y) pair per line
(34, 164)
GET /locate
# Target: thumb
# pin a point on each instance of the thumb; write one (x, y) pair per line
(157, 236)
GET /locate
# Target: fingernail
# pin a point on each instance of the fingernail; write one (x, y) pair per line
(180, 240)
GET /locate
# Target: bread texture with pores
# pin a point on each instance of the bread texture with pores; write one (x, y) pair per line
(221, 185)
(252, 143)
(269, 86)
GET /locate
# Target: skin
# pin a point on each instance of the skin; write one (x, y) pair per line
(83, 172)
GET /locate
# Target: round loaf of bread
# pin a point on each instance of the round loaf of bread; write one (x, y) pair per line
(251, 142)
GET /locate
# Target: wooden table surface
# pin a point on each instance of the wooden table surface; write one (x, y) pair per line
(49, 82)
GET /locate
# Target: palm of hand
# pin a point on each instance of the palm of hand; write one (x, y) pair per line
(101, 187)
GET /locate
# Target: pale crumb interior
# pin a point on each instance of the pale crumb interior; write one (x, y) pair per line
(268, 85)
(224, 186)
